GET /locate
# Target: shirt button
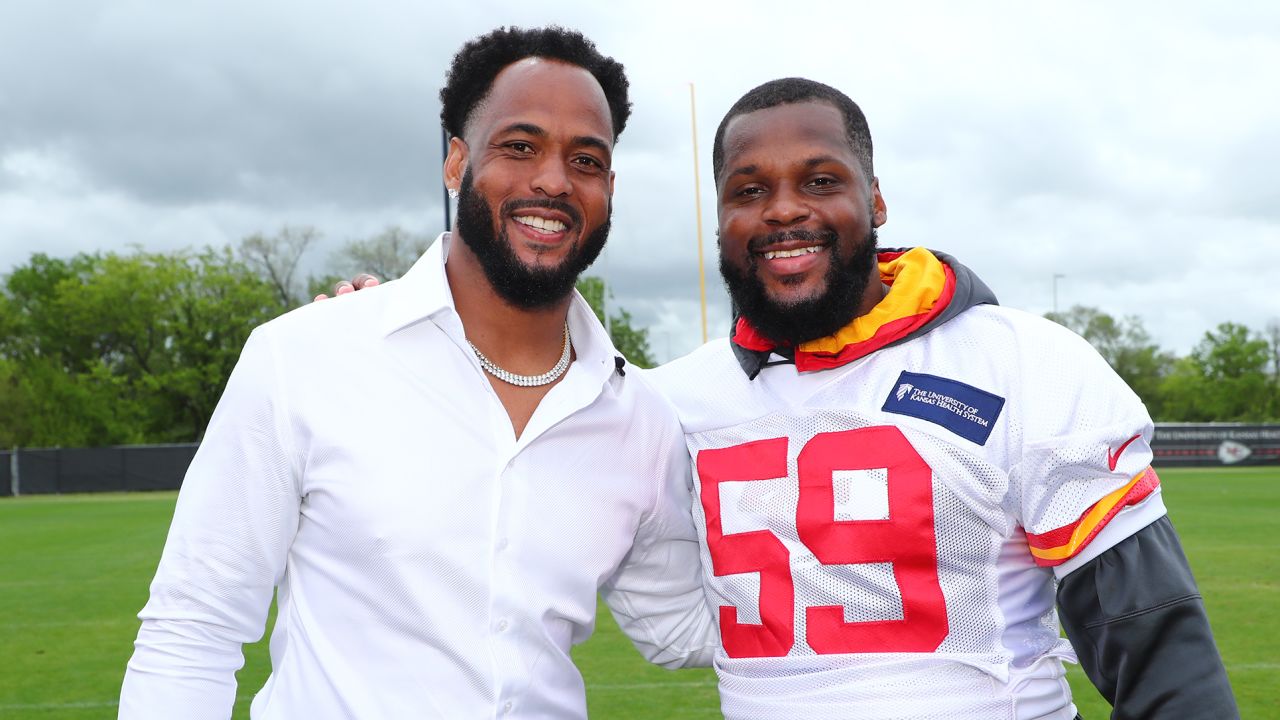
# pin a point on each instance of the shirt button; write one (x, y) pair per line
(502, 544)
(502, 625)
(506, 708)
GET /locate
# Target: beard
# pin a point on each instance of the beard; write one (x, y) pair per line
(526, 287)
(793, 322)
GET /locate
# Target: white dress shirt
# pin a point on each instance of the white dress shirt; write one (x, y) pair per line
(427, 563)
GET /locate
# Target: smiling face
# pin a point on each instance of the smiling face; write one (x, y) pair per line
(797, 222)
(539, 149)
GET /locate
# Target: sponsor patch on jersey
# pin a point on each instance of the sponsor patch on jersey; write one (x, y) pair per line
(963, 409)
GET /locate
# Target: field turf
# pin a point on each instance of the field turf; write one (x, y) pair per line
(74, 572)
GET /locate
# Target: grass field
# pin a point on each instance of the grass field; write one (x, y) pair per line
(74, 572)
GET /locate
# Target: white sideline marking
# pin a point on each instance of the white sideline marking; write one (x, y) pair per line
(647, 686)
(68, 623)
(59, 706)
(1255, 666)
(114, 703)
(78, 705)
(611, 686)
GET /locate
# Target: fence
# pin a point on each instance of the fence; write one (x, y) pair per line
(161, 467)
(78, 470)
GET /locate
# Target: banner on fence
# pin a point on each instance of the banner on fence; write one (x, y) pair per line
(1184, 444)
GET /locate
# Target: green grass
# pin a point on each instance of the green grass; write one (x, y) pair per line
(74, 572)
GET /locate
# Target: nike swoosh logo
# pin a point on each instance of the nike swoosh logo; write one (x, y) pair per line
(1113, 459)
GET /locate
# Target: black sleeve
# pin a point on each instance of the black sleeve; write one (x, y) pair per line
(1137, 621)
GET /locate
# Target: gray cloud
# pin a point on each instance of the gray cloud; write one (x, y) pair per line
(175, 106)
(1131, 148)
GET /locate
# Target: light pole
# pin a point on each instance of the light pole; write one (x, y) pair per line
(444, 155)
(1055, 291)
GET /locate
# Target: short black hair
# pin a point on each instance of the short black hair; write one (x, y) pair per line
(474, 68)
(796, 90)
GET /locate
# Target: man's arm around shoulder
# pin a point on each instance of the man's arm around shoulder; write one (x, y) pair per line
(656, 595)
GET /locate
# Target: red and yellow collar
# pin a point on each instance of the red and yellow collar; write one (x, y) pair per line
(920, 287)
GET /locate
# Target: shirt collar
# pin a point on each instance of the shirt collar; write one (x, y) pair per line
(423, 293)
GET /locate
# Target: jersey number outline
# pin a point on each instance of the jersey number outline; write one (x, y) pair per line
(907, 540)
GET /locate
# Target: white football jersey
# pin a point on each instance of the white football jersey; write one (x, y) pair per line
(879, 540)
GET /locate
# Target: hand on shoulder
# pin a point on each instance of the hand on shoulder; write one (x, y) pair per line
(342, 287)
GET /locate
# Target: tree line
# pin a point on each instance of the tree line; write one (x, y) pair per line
(127, 348)
(1231, 375)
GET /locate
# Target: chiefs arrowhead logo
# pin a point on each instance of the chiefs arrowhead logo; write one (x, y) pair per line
(1231, 452)
(1112, 459)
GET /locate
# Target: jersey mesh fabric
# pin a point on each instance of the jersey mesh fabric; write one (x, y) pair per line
(970, 530)
(1044, 464)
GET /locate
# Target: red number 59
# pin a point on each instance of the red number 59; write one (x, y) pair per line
(906, 539)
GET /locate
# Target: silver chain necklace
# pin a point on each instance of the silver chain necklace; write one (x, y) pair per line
(511, 378)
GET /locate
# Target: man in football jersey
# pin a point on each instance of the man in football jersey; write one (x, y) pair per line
(895, 477)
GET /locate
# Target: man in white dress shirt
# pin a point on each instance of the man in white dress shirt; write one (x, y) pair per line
(437, 557)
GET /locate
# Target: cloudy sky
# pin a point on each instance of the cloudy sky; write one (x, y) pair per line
(1132, 148)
